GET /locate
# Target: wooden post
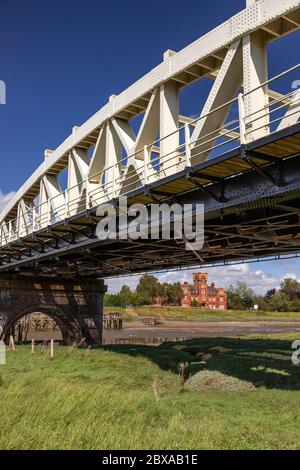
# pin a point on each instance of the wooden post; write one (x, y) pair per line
(52, 348)
(32, 347)
(12, 343)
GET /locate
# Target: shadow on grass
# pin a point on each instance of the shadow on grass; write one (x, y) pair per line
(262, 362)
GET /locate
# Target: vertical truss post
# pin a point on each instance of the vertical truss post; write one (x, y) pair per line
(169, 122)
(43, 204)
(113, 156)
(23, 220)
(52, 199)
(256, 98)
(78, 168)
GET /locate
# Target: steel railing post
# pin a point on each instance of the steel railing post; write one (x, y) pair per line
(66, 203)
(114, 182)
(187, 146)
(146, 162)
(49, 212)
(242, 118)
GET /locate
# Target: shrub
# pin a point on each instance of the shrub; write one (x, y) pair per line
(213, 380)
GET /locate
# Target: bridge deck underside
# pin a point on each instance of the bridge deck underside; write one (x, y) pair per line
(252, 206)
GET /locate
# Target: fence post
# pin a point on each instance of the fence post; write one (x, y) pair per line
(52, 348)
(12, 343)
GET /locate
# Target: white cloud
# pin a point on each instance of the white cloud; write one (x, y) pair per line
(291, 276)
(258, 280)
(114, 285)
(5, 198)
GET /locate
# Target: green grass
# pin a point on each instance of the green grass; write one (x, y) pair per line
(103, 398)
(196, 314)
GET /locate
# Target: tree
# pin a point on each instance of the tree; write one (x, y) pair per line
(138, 300)
(171, 294)
(175, 294)
(240, 296)
(125, 296)
(111, 300)
(149, 288)
(263, 305)
(291, 288)
(279, 302)
(294, 306)
(269, 294)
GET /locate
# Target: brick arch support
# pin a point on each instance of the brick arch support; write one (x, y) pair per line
(76, 306)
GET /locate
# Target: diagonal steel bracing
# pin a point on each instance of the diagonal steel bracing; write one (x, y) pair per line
(140, 138)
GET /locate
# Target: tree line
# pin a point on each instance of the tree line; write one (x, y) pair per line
(148, 291)
(284, 299)
(239, 296)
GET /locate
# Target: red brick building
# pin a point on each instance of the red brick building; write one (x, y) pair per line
(207, 296)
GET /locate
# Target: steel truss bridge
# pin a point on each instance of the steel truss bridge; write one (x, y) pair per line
(239, 157)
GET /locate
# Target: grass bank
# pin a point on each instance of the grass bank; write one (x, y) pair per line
(196, 314)
(104, 398)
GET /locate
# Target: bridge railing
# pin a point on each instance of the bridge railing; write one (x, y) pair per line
(215, 132)
(280, 109)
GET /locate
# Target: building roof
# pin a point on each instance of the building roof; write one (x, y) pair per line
(212, 290)
(193, 290)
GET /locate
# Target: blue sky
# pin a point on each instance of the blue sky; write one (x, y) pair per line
(61, 60)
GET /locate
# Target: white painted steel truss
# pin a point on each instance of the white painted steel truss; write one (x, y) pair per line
(104, 157)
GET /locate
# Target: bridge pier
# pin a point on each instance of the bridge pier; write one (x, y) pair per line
(76, 306)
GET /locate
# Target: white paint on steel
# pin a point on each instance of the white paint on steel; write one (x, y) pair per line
(234, 55)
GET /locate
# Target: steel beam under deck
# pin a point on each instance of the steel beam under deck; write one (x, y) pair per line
(258, 217)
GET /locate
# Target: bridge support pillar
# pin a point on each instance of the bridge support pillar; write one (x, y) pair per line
(76, 306)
